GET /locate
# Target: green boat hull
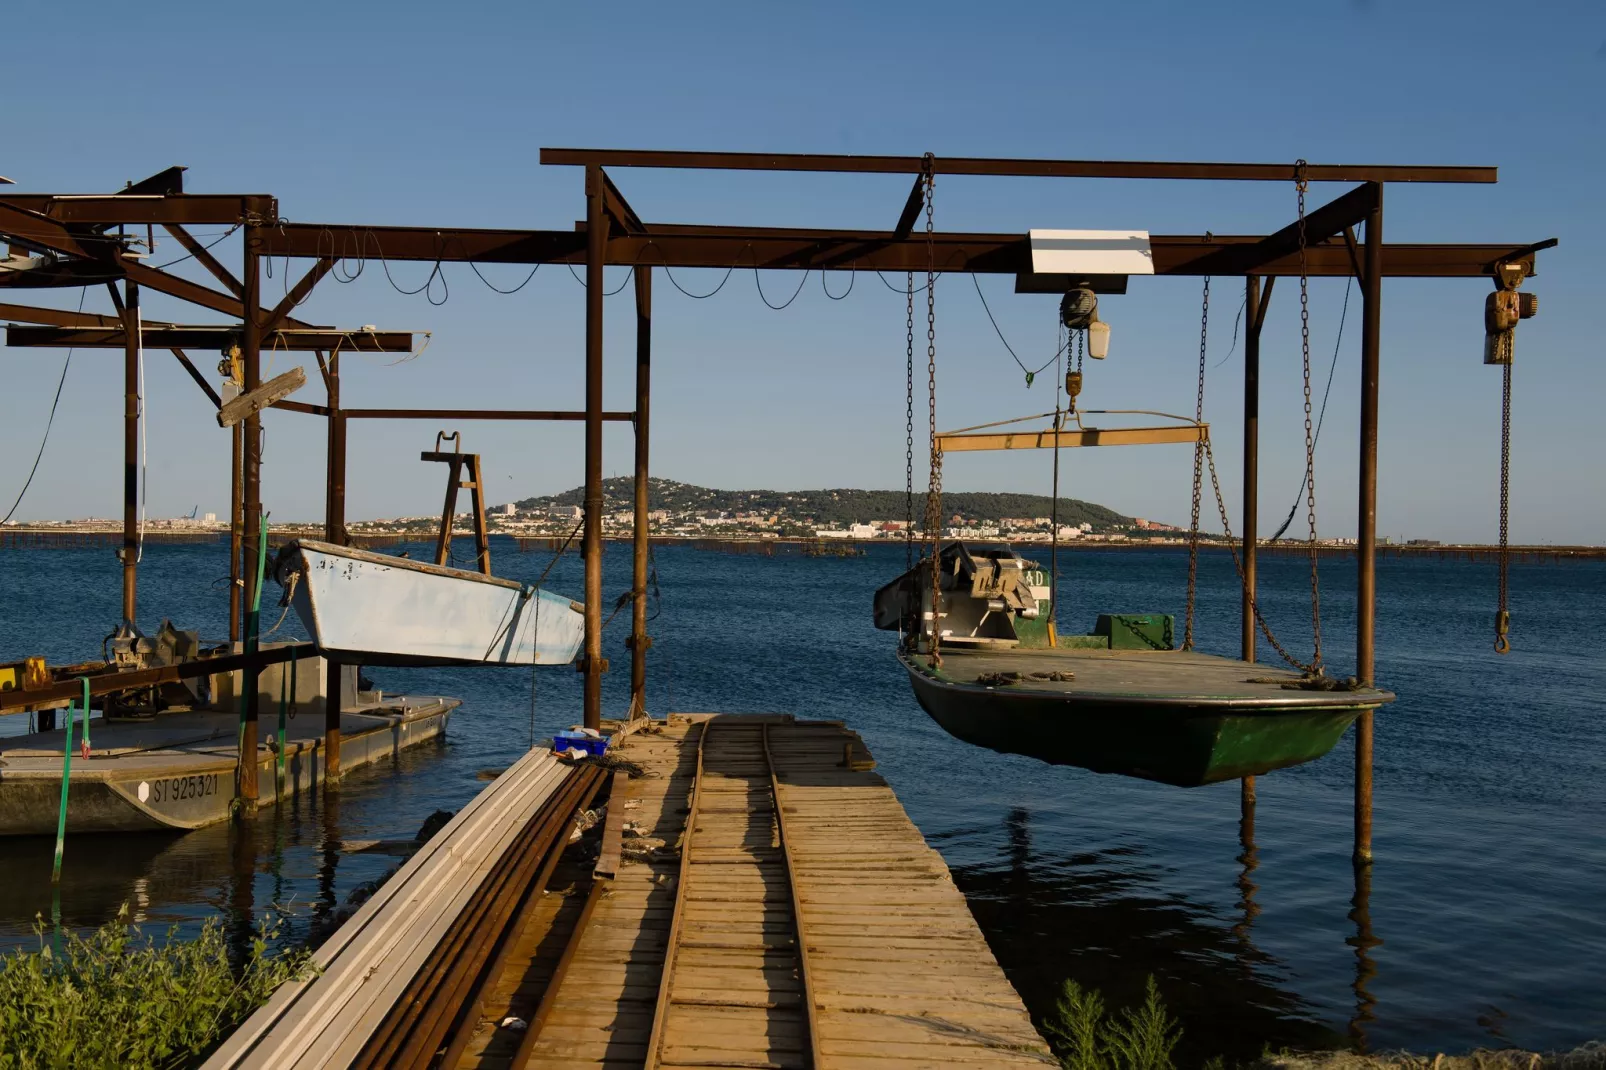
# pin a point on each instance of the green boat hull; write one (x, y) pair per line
(1180, 743)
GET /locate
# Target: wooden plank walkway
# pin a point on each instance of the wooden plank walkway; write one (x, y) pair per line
(898, 973)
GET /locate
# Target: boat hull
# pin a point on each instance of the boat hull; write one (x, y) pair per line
(374, 609)
(1178, 743)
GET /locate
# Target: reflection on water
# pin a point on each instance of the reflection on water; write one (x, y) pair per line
(1365, 968)
(1255, 924)
(1105, 920)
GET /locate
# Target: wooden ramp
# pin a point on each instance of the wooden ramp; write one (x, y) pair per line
(691, 955)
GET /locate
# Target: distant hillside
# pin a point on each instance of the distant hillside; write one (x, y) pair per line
(833, 508)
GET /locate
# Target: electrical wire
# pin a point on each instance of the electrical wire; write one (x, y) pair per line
(852, 278)
(48, 423)
(191, 256)
(1030, 374)
(496, 289)
(760, 285)
(605, 293)
(1236, 323)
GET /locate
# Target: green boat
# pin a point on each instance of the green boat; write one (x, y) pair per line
(1119, 700)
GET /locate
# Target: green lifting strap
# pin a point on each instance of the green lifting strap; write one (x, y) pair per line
(66, 776)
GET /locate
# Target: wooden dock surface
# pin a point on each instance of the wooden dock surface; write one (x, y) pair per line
(693, 958)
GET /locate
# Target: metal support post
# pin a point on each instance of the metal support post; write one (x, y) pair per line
(251, 493)
(1366, 516)
(334, 530)
(236, 531)
(596, 248)
(131, 406)
(639, 642)
(1251, 490)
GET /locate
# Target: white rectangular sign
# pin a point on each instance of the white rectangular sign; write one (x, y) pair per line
(1091, 252)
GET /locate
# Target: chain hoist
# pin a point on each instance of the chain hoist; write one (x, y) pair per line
(1501, 312)
(909, 427)
(1300, 185)
(1198, 466)
(934, 485)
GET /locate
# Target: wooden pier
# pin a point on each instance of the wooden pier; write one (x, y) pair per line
(754, 897)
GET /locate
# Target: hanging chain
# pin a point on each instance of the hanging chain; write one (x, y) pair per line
(1502, 617)
(909, 429)
(1300, 185)
(1243, 581)
(934, 486)
(1198, 468)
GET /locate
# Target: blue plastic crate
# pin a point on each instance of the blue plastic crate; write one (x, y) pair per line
(563, 741)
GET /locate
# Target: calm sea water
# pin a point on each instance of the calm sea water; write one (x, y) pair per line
(1484, 922)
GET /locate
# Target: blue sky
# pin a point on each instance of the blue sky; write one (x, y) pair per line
(417, 114)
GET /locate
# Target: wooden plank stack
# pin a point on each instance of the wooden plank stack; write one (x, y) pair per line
(368, 962)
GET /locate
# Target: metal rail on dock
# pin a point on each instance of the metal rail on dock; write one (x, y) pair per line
(657, 1044)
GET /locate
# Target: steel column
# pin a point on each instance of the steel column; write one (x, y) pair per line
(596, 248)
(1251, 491)
(642, 525)
(236, 531)
(1366, 517)
(251, 495)
(334, 530)
(131, 407)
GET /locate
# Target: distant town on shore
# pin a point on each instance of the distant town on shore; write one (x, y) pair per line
(689, 511)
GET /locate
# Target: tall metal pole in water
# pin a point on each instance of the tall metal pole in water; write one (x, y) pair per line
(251, 493)
(334, 530)
(131, 405)
(596, 244)
(642, 527)
(1366, 514)
(1251, 490)
(236, 532)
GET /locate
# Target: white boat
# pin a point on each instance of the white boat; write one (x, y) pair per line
(383, 610)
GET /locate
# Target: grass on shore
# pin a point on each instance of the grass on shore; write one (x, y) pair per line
(1084, 1036)
(118, 998)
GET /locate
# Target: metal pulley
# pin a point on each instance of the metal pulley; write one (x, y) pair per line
(1073, 386)
(1502, 310)
(1079, 308)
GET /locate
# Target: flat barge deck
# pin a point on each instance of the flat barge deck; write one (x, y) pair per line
(178, 770)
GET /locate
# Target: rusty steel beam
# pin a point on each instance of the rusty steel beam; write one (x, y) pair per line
(139, 209)
(911, 208)
(166, 182)
(25, 227)
(204, 257)
(679, 246)
(213, 338)
(618, 209)
(1331, 219)
(299, 406)
(975, 165)
(477, 414)
(1366, 522)
(60, 317)
(448, 245)
(592, 664)
(200, 380)
(107, 683)
(297, 294)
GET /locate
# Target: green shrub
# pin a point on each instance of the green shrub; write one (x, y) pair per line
(117, 998)
(1085, 1038)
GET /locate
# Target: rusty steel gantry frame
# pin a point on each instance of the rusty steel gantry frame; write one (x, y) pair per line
(613, 234)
